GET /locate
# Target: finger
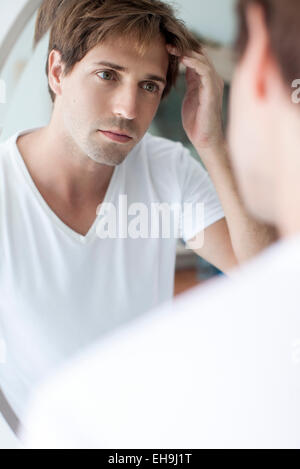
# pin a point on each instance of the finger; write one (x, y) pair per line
(203, 68)
(173, 50)
(197, 65)
(202, 57)
(192, 78)
(194, 62)
(206, 55)
(202, 71)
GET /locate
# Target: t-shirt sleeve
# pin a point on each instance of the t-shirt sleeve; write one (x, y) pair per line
(200, 203)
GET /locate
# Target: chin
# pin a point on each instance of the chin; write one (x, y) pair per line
(111, 161)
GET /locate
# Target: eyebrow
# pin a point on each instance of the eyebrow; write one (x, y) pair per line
(119, 68)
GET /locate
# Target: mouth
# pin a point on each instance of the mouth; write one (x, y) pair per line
(115, 136)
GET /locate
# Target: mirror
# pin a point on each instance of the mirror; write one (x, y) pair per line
(25, 104)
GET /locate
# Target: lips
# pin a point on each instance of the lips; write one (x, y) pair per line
(116, 137)
(117, 133)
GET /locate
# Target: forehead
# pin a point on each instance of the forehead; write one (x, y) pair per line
(124, 51)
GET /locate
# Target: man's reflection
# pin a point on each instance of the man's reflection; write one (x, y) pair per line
(109, 66)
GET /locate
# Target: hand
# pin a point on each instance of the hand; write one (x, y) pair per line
(202, 105)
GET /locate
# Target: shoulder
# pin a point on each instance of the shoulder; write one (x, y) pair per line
(5, 150)
(160, 147)
(257, 287)
(5, 146)
(218, 330)
(168, 156)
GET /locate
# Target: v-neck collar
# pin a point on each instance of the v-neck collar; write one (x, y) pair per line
(83, 239)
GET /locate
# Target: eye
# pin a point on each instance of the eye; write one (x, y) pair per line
(151, 87)
(106, 75)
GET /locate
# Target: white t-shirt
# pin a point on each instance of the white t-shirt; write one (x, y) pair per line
(59, 290)
(219, 369)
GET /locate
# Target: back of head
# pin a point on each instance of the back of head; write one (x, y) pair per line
(264, 121)
(76, 26)
(283, 23)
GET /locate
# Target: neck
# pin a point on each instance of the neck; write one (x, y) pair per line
(288, 218)
(58, 164)
(288, 180)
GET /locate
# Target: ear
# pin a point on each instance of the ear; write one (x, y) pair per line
(55, 71)
(258, 55)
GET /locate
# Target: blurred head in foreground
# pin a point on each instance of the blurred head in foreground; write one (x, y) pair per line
(264, 130)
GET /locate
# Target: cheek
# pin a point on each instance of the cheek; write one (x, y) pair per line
(235, 131)
(235, 107)
(148, 110)
(82, 96)
(241, 129)
(94, 104)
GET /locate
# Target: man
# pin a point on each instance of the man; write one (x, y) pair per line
(63, 285)
(222, 367)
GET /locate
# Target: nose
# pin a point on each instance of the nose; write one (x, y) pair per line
(125, 102)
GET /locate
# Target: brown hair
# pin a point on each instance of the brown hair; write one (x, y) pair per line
(76, 26)
(283, 23)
